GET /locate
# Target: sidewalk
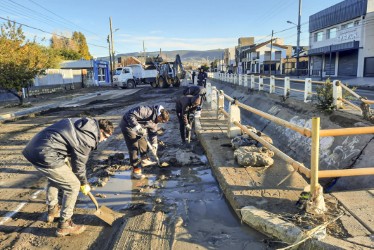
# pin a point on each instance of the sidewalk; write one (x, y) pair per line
(43, 103)
(269, 206)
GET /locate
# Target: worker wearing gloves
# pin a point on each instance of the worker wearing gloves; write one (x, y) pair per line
(185, 106)
(137, 124)
(60, 152)
(196, 91)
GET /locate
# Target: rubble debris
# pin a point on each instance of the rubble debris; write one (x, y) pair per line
(252, 156)
(101, 195)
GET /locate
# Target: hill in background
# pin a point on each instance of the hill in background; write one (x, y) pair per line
(190, 56)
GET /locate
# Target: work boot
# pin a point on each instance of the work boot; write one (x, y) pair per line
(137, 174)
(147, 162)
(69, 228)
(53, 212)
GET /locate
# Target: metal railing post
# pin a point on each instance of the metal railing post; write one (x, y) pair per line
(245, 80)
(337, 94)
(287, 88)
(239, 79)
(252, 81)
(314, 154)
(272, 85)
(308, 90)
(260, 83)
(208, 92)
(234, 116)
(221, 105)
(213, 100)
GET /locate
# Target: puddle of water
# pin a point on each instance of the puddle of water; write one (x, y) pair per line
(120, 191)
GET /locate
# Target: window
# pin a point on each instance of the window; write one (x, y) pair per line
(267, 56)
(278, 55)
(331, 33)
(318, 36)
(347, 25)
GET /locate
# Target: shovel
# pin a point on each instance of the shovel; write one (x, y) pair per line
(152, 151)
(104, 213)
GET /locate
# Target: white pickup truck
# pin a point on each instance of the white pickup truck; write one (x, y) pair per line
(124, 78)
(143, 76)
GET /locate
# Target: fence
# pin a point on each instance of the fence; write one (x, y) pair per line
(235, 128)
(339, 102)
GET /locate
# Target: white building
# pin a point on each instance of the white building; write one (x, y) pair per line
(266, 56)
(341, 41)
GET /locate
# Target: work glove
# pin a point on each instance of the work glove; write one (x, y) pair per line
(155, 147)
(140, 130)
(188, 127)
(85, 189)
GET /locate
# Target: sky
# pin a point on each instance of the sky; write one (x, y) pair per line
(163, 24)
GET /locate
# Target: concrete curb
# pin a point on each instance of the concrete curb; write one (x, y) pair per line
(25, 112)
(263, 221)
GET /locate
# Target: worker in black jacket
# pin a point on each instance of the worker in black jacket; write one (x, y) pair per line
(196, 91)
(60, 152)
(201, 78)
(185, 106)
(135, 125)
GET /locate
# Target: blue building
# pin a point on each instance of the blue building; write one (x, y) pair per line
(96, 71)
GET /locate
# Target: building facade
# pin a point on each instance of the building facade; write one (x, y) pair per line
(97, 71)
(341, 41)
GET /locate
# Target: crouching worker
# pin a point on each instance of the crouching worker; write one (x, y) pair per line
(135, 125)
(50, 150)
(186, 106)
(196, 91)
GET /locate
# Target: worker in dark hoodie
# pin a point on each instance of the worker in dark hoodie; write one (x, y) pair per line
(137, 124)
(60, 152)
(186, 106)
(196, 91)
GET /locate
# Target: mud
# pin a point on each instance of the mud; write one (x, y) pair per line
(185, 193)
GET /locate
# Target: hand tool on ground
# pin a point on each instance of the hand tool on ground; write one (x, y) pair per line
(104, 213)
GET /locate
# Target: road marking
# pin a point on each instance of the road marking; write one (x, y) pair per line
(9, 215)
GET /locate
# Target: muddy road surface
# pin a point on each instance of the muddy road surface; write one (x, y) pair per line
(176, 207)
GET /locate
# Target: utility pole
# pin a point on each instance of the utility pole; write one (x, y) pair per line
(110, 59)
(271, 50)
(144, 53)
(298, 40)
(112, 47)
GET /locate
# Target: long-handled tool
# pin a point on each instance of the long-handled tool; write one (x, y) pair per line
(104, 213)
(152, 150)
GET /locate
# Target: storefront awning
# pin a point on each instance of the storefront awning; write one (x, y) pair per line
(334, 48)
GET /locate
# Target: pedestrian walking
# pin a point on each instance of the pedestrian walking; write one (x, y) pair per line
(193, 77)
(201, 78)
(185, 106)
(137, 124)
(60, 152)
(196, 91)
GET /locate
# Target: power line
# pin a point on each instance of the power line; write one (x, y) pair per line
(31, 27)
(63, 18)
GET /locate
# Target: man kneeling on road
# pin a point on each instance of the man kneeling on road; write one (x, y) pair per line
(185, 106)
(196, 91)
(136, 125)
(50, 150)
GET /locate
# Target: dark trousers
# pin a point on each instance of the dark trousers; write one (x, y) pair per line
(135, 144)
(182, 127)
(193, 80)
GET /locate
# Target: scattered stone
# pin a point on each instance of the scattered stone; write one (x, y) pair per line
(251, 156)
(158, 200)
(101, 195)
